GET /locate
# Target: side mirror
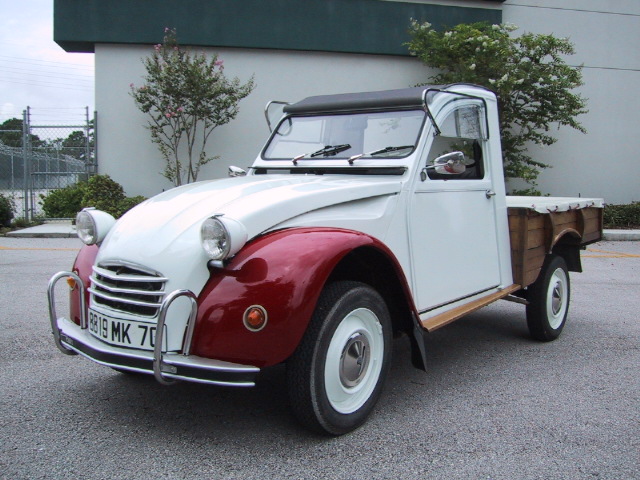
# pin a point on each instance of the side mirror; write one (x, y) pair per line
(273, 112)
(236, 171)
(452, 163)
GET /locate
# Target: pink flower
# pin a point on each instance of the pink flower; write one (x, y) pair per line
(168, 114)
(218, 63)
(131, 85)
(180, 109)
(157, 47)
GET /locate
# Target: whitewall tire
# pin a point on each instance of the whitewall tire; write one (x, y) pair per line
(336, 375)
(548, 300)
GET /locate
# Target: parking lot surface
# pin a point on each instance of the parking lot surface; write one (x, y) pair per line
(493, 405)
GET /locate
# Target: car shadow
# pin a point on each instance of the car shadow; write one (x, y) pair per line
(190, 411)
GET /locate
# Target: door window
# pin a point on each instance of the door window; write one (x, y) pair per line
(461, 131)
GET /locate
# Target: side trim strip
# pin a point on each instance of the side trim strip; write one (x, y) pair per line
(456, 300)
(454, 314)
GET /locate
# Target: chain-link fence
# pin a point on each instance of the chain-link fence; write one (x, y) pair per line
(36, 159)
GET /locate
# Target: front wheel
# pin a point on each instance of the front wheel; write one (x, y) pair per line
(335, 377)
(549, 300)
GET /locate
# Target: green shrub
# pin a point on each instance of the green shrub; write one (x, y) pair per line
(6, 211)
(65, 202)
(128, 203)
(622, 216)
(100, 191)
(103, 193)
(527, 192)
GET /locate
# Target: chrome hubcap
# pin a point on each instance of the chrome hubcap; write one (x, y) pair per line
(354, 360)
(556, 298)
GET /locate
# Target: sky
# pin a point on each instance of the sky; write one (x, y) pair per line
(36, 72)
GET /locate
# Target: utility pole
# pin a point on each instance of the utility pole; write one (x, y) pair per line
(25, 161)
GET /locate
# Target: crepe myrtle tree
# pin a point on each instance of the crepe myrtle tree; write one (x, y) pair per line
(528, 73)
(186, 96)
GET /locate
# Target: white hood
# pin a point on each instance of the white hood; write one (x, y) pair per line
(163, 233)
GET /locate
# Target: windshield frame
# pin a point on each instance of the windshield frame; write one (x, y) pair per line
(351, 153)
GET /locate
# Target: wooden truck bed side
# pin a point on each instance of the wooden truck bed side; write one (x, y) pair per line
(534, 232)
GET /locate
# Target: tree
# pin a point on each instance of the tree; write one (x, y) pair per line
(186, 97)
(75, 145)
(11, 134)
(532, 81)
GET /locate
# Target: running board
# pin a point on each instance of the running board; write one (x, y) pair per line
(431, 324)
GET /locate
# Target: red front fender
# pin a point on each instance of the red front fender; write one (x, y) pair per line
(284, 272)
(82, 266)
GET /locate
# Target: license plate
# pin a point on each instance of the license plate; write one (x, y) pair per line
(124, 333)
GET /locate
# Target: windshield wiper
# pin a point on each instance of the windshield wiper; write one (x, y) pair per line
(379, 152)
(327, 151)
(390, 149)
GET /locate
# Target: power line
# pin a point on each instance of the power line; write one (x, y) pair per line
(59, 108)
(49, 77)
(17, 74)
(583, 10)
(617, 69)
(66, 72)
(37, 83)
(50, 63)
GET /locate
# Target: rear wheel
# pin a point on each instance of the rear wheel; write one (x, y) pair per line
(549, 300)
(335, 377)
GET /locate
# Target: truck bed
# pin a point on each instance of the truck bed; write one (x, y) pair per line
(538, 224)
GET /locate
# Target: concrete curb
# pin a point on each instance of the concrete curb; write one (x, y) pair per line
(46, 230)
(621, 235)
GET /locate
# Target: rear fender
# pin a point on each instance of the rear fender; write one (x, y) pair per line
(283, 272)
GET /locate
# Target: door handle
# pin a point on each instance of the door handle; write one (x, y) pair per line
(490, 193)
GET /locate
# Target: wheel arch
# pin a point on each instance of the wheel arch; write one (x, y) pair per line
(567, 245)
(378, 269)
(285, 271)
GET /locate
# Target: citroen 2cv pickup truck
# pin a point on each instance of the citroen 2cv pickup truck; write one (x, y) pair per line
(364, 215)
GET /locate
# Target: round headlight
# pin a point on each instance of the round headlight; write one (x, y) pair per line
(215, 239)
(222, 237)
(93, 225)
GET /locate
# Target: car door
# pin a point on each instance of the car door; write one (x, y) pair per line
(452, 224)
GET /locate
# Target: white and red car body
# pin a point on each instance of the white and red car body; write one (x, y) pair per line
(428, 247)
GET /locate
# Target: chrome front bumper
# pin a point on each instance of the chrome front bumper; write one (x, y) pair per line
(166, 367)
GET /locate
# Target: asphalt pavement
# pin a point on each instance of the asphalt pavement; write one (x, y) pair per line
(493, 405)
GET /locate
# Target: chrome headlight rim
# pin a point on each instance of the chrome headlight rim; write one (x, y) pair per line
(92, 225)
(222, 237)
(215, 238)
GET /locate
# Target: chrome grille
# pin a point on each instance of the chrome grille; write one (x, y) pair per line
(127, 288)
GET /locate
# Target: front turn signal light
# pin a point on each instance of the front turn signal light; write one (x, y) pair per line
(255, 318)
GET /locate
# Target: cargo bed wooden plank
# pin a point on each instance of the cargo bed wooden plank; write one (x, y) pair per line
(538, 224)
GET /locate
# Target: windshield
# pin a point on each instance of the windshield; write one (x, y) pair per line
(368, 135)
